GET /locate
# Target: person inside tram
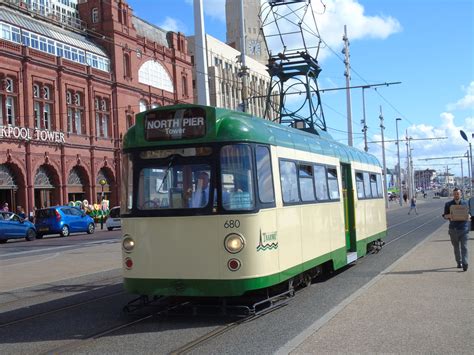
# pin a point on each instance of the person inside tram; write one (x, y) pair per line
(201, 194)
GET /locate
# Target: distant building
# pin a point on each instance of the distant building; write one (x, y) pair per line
(424, 178)
(254, 41)
(70, 87)
(225, 83)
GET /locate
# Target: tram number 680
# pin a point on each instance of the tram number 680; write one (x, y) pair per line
(232, 223)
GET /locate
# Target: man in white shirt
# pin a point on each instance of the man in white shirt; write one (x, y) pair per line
(201, 195)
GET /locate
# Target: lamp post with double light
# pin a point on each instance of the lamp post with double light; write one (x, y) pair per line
(399, 168)
(464, 136)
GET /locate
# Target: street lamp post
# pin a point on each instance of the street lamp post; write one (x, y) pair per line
(102, 182)
(464, 136)
(399, 168)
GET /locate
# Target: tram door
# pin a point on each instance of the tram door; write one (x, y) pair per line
(349, 217)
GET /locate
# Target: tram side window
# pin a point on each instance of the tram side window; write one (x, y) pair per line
(360, 185)
(127, 183)
(379, 185)
(333, 184)
(289, 181)
(321, 183)
(367, 192)
(373, 185)
(306, 183)
(236, 176)
(266, 192)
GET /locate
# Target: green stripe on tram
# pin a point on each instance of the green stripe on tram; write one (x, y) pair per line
(219, 288)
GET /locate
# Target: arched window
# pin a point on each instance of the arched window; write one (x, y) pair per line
(155, 105)
(95, 15)
(75, 111)
(102, 117)
(154, 74)
(184, 82)
(9, 85)
(129, 121)
(143, 105)
(127, 69)
(36, 90)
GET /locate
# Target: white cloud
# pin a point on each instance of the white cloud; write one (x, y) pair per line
(172, 24)
(425, 146)
(330, 20)
(467, 102)
(338, 13)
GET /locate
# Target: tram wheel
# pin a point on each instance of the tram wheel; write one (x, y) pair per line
(306, 279)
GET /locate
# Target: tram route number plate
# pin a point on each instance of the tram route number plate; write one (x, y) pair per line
(459, 213)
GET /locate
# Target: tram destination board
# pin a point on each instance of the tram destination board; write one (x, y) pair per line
(175, 124)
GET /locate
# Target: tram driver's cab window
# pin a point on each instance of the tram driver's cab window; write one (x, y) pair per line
(180, 186)
(236, 177)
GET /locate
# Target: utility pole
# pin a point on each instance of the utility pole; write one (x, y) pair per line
(200, 50)
(408, 178)
(384, 176)
(347, 74)
(243, 69)
(399, 167)
(364, 121)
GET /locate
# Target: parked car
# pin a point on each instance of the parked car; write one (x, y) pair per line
(13, 226)
(63, 220)
(113, 220)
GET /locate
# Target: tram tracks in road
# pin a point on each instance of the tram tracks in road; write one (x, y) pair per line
(53, 289)
(428, 215)
(89, 339)
(166, 308)
(60, 309)
(217, 332)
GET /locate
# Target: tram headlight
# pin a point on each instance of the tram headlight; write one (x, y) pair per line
(128, 244)
(234, 243)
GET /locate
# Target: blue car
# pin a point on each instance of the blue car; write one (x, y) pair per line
(63, 220)
(13, 226)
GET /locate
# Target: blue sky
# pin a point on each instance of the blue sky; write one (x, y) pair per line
(428, 45)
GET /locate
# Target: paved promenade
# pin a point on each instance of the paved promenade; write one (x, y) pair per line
(420, 304)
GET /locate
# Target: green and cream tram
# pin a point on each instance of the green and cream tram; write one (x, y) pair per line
(219, 203)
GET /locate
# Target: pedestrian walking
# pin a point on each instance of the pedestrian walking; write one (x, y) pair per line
(458, 227)
(5, 207)
(413, 205)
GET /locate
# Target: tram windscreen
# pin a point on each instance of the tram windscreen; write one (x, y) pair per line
(236, 176)
(174, 187)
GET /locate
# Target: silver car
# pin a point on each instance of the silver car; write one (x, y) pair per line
(113, 220)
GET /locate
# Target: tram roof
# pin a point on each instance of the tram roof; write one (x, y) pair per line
(234, 126)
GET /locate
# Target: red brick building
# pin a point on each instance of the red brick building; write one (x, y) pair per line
(67, 96)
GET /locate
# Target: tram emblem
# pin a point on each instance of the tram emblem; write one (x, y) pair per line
(268, 241)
